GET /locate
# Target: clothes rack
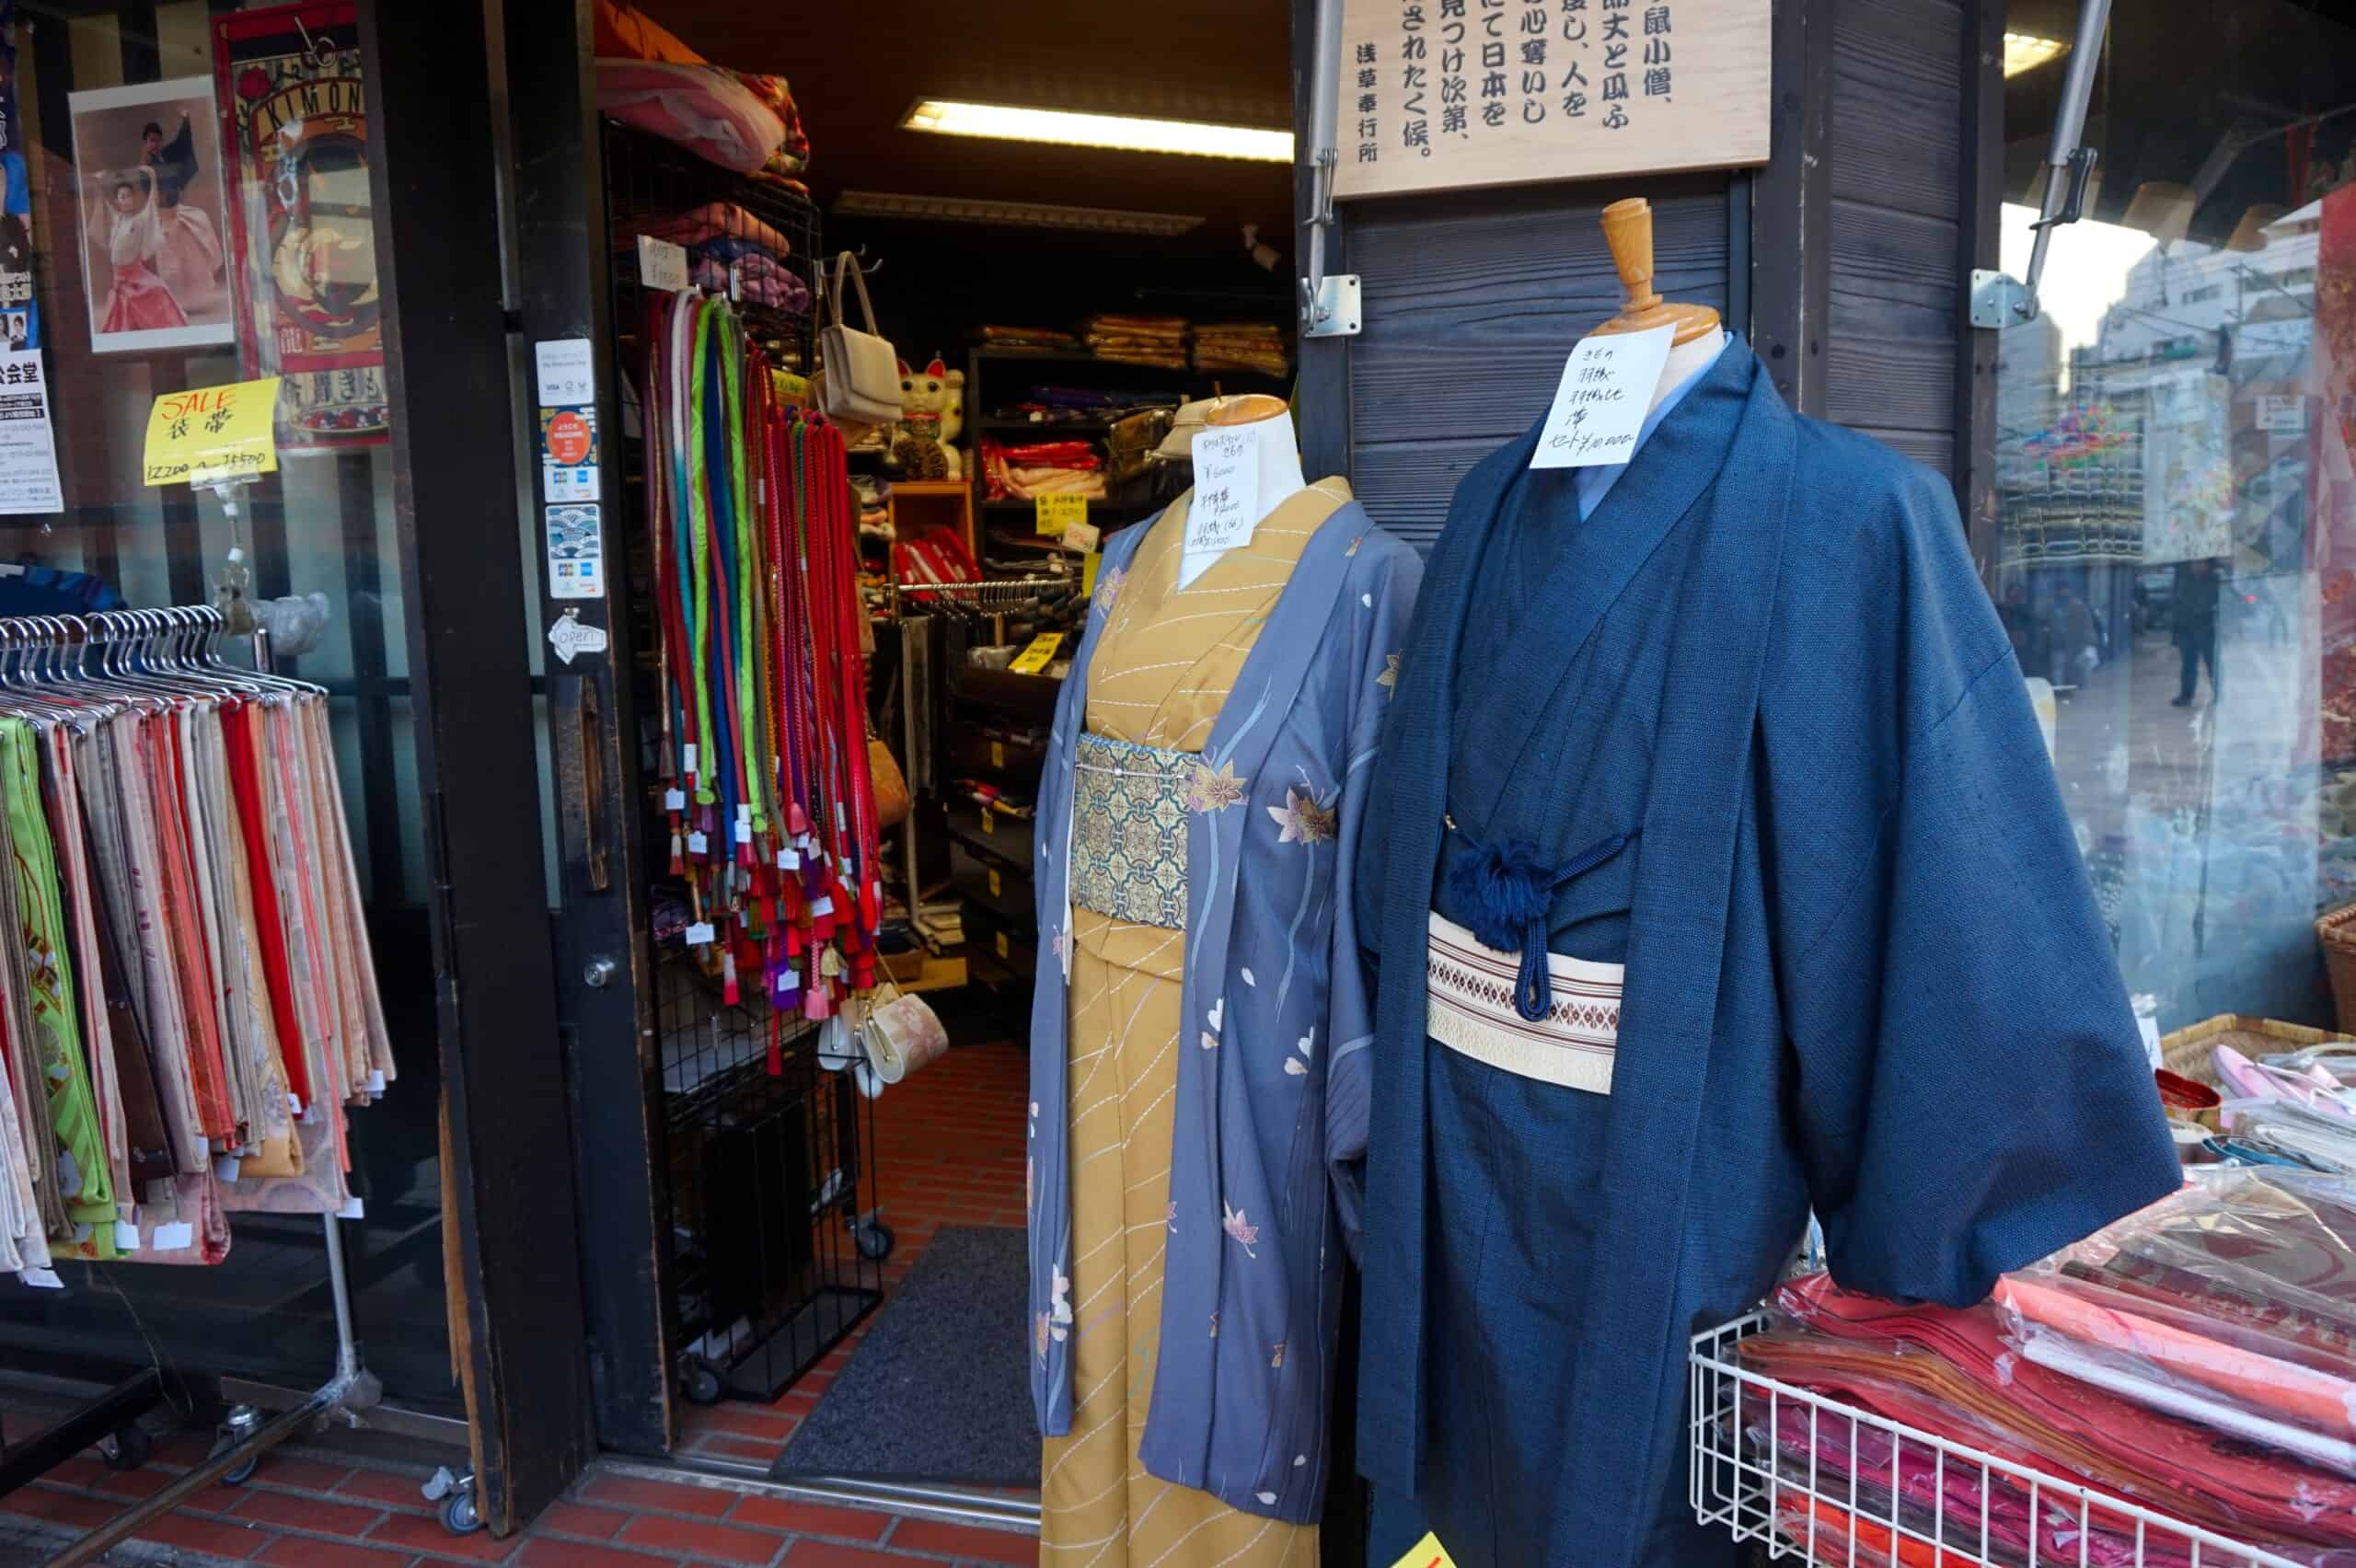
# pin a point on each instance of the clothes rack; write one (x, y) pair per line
(142, 654)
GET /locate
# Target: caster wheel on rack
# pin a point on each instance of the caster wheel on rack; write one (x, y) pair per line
(701, 1382)
(459, 1516)
(243, 1473)
(128, 1448)
(874, 1241)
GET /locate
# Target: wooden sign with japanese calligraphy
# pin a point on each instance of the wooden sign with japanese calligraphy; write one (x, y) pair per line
(1448, 95)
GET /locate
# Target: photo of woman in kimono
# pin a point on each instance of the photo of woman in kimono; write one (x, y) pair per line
(132, 237)
(190, 262)
(153, 267)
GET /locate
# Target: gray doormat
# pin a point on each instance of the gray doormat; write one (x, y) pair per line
(939, 1390)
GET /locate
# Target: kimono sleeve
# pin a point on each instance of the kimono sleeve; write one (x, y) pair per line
(1970, 1089)
(1381, 615)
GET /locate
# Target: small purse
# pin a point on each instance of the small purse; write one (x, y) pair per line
(891, 802)
(902, 1034)
(861, 383)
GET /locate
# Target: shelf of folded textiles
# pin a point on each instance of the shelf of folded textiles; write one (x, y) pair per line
(994, 837)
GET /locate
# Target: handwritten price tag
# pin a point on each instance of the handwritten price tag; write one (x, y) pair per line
(1600, 408)
(1428, 1553)
(1056, 512)
(1227, 489)
(212, 433)
(1037, 656)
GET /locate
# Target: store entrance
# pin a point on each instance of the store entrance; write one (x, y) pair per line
(834, 647)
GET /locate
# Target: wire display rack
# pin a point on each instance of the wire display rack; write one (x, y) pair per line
(1809, 1478)
(775, 1240)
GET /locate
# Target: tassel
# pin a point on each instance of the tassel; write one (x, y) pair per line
(678, 854)
(728, 973)
(1506, 892)
(776, 1045)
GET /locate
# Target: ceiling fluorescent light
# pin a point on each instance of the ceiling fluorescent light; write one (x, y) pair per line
(1016, 214)
(2027, 52)
(1007, 123)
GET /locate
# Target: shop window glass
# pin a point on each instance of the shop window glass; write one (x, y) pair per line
(2175, 540)
(322, 525)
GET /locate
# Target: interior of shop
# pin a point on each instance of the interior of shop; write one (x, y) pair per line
(1062, 316)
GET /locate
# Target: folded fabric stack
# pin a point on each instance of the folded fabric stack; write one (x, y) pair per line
(727, 245)
(935, 553)
(1158, 341)
(1024, 338)
(2198, 1358)
(1241, 345)
(1045, 468)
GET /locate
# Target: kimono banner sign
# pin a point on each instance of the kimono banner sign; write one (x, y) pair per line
(1448, 95)
(289, 86)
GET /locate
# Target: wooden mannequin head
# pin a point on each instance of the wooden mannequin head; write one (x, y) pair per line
(1628, 229)
(1249, 408)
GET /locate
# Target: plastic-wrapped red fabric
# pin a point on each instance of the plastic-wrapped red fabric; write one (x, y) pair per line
(2198, 1472)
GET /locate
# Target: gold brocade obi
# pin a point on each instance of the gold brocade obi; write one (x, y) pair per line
(1129, 831)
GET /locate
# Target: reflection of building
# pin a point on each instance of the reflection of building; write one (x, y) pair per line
(2168, 441)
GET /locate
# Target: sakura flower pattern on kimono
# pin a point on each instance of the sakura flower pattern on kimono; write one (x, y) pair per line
(1279, 1010)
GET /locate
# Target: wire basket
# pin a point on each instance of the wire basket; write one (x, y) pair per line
(1828, 1515)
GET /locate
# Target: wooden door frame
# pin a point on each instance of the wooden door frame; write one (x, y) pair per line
(508, 1173)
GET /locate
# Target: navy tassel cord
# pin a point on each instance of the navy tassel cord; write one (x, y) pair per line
(1506, 891)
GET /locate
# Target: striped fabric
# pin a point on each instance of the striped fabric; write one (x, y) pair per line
(1468, 1008)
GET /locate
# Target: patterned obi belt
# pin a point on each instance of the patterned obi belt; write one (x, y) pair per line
(1129, 831)
(1469, 1009)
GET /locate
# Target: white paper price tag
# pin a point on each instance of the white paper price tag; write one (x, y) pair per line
(674, 799)
(744, 833)
(1600, 408)
(41, 1278)
(789, 861)
(700, 934)
(353, 1208)
(1227, 489)
(171, 1238)
(226, 1168)
(126, 1236)
(697, 843)
(660, 264)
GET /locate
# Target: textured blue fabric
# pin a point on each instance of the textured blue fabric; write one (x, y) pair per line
(1853, 907)
(1595, 481)
(1279, 1016)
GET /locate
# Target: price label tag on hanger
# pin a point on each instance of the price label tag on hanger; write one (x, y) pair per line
(700, 934)
(989, 821)
(996, 890)
(1607, 389)
(660, 264)
(1057, 512)
(1036, 657)
(1227, 489)
(1002, 945)
(1082, 536)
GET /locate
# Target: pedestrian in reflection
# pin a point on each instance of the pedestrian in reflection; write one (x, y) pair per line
(2072, 635)
(2197, 583)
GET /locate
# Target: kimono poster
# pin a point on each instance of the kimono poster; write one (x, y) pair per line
(149, 179)
(308, 303)
(1447, 95)
(19, 311)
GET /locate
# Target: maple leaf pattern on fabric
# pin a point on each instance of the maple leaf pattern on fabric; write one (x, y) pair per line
(1242, 1230)
(1303, 820)
(1214, 791)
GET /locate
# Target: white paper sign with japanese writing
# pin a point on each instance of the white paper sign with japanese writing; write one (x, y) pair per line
(660, 264)
(1444, 95)
(1227, 489)
(27, 444)
(1600, 408)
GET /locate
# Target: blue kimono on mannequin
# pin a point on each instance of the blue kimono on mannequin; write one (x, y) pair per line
(1718, 874)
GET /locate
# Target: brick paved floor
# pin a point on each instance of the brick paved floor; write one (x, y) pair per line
(949, 1151)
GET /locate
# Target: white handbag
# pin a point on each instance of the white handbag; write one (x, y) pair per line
(861, 383)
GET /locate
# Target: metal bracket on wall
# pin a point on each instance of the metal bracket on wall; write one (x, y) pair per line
(1332, 311)
(1999, 299)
